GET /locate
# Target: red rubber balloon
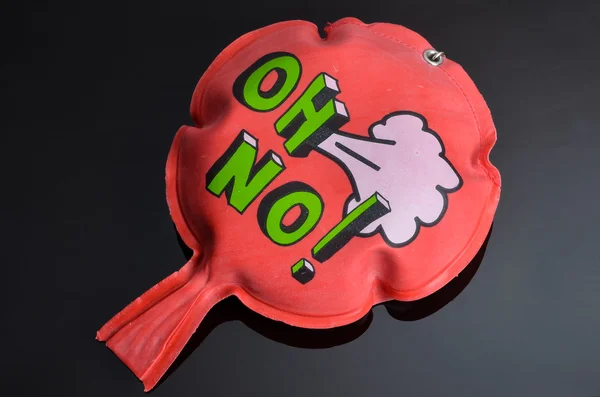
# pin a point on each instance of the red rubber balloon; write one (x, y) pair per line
(323, 176)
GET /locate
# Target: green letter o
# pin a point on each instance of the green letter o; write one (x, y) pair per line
(279, 202)
(247, 89)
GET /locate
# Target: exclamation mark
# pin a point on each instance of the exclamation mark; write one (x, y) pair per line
(350, 226)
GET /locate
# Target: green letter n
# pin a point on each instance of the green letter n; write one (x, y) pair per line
(236, 173)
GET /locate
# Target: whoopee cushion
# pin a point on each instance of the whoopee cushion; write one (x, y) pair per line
(322, 176)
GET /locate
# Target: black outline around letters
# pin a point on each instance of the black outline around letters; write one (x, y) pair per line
(330, 126)
(240, 81)
(273, 196)
(353, 229)
(221, 161)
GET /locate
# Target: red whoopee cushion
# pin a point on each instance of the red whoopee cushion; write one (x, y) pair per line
(323, 176)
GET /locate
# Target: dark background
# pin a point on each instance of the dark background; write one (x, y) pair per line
(92, 94)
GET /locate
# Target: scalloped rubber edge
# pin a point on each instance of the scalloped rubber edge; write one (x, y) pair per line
(487, 134)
